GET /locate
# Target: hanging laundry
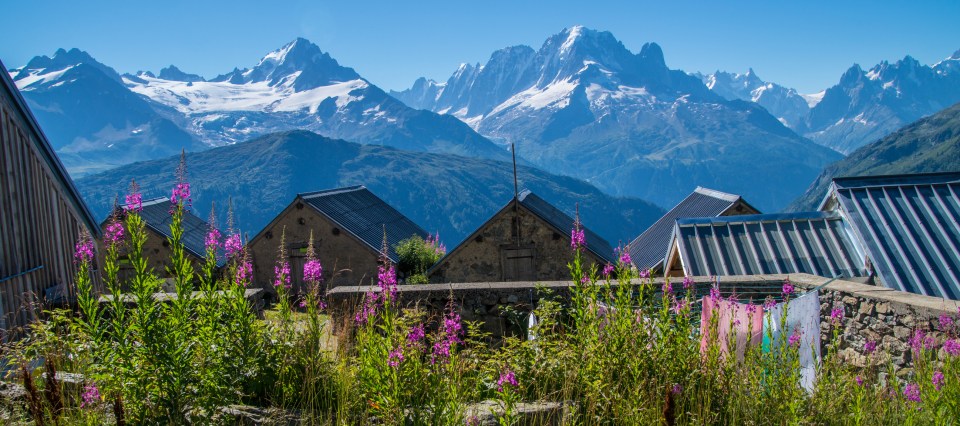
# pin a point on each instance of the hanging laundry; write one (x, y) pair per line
(743, 322)
(803, 320)
(531, 326)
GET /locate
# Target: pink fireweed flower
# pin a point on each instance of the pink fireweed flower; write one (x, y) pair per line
(952, 347)
(667, 287)
(387, 281)
(441, 351)
(625, 257)
(303, 303)
(836, 315)
(181, 194)
(607, 270)
(416, 335)
(282, 274)
(91, 395)
(714, 293)
(507, 378)
(134, 200)
(453, 327)
(788, 288)
(577, 239)
(212, 242)
(869, 347)
(912, 392)
(687, 283)
(113, 235)
(679, 306)
(676, 389)
(859, 380)
(937, 379)
(584, 279)
(395, 357)
(769, 303)
(922, 340)
(313, 271)
(368, 311)
(83, 250)
(794, 339)
(244, 273)
(644, 273)
(433, 241)
(233, 245)
(946, 323)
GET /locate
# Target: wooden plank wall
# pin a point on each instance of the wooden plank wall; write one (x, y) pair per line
(38, 224)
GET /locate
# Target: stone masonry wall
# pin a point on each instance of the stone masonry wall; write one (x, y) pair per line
(157, 252)
(346, 260)
(478, 259)
(882, 315)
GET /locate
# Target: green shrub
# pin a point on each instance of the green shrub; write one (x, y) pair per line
(416, 255)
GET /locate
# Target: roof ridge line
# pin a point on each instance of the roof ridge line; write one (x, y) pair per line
(726, 196)
(332, 191)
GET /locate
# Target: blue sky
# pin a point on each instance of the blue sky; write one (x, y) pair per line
(802, 44)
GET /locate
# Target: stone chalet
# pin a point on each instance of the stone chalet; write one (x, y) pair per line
(157, 218)
(348, 226)
(527, 240)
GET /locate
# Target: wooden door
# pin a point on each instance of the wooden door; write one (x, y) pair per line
(518, 263)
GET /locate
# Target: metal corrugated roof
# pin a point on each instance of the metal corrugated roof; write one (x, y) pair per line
(814, 243)
(908, 226)
(156, 214)
(564, 224)
(648, 250)
(358, 211)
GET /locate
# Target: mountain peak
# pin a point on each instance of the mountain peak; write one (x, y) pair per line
(652, 54)
(298, 50)
(299, 63)
(852, 75)
(173, 73)
(63, 59)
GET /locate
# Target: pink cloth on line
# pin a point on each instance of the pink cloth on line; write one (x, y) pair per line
(741, 320)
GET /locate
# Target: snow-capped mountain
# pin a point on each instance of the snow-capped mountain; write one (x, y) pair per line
(93, 121)
(584, 105)
(784, 103)
(868, 105)
(99, 119)
(300, 87)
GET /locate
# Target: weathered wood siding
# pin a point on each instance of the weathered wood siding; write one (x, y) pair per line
(39, 219)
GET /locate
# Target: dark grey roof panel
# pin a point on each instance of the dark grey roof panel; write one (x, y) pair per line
(909, 227)
(648, 250)
(812, 243)
(156, 214)
(363, 214)
(564, 223)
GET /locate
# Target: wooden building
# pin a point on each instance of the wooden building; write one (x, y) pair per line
(157, 217)
(527, 240)
(41, 215)
(348, 227)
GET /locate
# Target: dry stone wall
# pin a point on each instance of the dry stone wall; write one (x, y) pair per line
(887, 317)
